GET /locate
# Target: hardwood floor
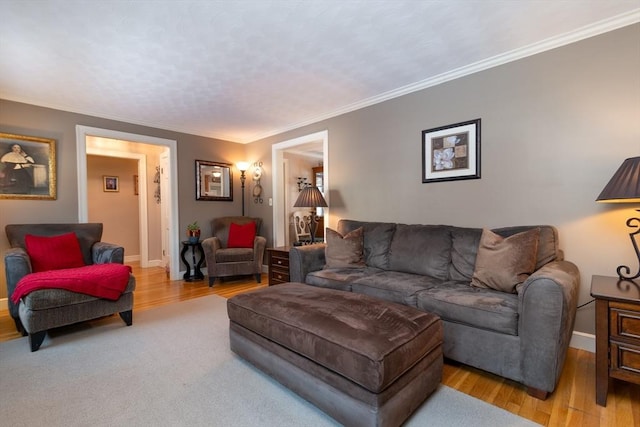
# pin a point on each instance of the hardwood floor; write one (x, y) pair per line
(572, 403)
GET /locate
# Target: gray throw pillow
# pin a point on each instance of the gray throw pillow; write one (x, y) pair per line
(504, 263)
(344, 252)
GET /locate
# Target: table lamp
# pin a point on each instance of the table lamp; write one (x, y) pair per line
(624, 187)
(311, 197)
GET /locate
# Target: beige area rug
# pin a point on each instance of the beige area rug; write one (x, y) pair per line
(173, 367)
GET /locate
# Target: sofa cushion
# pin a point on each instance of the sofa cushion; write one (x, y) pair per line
(393, 286)
(464, 248)
(377, 240)
(338, 278)
(421, 249)
(503, 263)
(476, 307)
(344, 251)
(234, 255)
(53, 252)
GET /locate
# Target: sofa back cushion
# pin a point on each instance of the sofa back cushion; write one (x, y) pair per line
(376, 241)
(421, 249)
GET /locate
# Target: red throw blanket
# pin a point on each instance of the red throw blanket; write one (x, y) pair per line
(106, 281)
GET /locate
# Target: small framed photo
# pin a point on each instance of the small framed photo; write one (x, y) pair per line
(27, 167)
(451, 152)
(135, 185)
(110, 183)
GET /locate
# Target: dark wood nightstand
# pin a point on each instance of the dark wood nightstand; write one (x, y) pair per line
(278, 261)
(617, 332)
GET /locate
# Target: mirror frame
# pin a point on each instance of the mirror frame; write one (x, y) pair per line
(202, 168)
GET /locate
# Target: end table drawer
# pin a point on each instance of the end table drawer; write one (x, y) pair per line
(280, 261)
(625, 362)
(279, 276)
(625, 323)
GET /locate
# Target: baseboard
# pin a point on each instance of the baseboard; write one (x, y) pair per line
(583, 341)
(131, 258)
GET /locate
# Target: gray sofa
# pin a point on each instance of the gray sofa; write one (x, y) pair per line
(522, 336)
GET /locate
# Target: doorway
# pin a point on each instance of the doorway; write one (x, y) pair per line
(280, 175)
(168, 188)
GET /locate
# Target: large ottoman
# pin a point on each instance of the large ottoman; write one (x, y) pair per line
(363, 361)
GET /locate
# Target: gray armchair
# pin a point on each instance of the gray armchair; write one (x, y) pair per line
(45, 309)
(223, 261)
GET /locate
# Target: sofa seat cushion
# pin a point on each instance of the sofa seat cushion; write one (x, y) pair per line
(338, 278)
(477, 307)
(234, 255)
(394, 286)
(369, 341)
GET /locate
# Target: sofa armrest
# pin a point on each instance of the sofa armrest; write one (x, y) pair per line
(210, 245)
(259, 245)
(547, 307)
(305, 259)
(16, 265)
(103, 253)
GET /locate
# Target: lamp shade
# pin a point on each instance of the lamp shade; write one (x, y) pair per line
(310, 197)
(624, 186)
(242, 166)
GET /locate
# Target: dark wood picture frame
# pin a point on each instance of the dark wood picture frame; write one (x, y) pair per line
(214, 181)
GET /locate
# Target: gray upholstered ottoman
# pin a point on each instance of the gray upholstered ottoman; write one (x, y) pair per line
(363, 361)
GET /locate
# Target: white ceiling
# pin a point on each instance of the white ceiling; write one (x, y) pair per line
(242, 70)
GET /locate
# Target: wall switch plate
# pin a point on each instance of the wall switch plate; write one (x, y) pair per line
(270, 201)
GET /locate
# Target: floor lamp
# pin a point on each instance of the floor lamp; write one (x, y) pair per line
(311, 197)
(624, 187)
(242, 167)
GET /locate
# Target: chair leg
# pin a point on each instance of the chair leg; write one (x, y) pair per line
(19, 326)
(258, 278)
(35, 340)
(127, 316)
(211, 280)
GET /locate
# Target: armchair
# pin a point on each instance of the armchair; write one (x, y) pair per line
(223, 261)
(44, 309)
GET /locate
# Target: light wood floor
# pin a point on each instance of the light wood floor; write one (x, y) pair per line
(572, 403)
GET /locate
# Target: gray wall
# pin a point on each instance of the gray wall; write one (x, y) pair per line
(555, 127)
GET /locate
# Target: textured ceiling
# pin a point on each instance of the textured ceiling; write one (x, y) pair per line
(242, 70)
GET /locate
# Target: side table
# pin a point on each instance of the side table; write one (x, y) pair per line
(617, 332)
(278, 261)
(197, 274)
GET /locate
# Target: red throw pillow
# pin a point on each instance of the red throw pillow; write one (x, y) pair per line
(242, 236)
(54, 253)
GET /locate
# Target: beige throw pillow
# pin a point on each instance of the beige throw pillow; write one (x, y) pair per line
(344, 252)
(503, 263)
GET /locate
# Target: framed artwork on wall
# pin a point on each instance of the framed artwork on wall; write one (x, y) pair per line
(451, 152)
(135, 185)
(27, 167)
(110, 183)
(214, 181)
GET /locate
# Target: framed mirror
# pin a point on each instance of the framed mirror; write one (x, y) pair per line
(214, 181)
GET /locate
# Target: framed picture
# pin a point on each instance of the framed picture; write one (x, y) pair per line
(27, 167)
(135, 185)
(214, 181)
(110, 183)
(451, 152)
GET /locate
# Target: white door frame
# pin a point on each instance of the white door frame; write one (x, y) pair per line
(277, 150)
(82, 132)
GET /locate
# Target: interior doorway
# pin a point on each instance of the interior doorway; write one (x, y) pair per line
(168, 188)
(280, 174)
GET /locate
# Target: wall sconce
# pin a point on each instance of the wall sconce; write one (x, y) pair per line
(624, 187)
(257, 189)
(242, 167)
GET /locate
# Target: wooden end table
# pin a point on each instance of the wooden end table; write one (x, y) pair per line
(278, 261)
(617, 332)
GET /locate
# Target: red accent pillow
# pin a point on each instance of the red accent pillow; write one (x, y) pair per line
(242, 236)
(54, 253)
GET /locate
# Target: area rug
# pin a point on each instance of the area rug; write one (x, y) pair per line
(173, 367)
